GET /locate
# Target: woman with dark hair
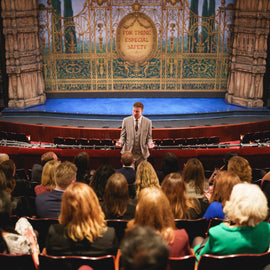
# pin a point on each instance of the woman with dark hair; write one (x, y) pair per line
(169, 165)
(9, 168)
(82, 228)
(153, 210)
(193, 175)
(116, 202)
(182, 207)
(100, 178)
(81, 161)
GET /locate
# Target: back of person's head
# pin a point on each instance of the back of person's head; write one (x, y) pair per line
(47, 157)
(194, 171)
(174, 187)
(227, 157)
(247, 205)
(143, 249)
(5, 209)
(223, 185)
(5, 223)
(3, 180)
(9, 169)
(127, 158)
(100, 178)
(241, 167)
(116, 195)
(146, 176)
(81, 213)
(153, 209)
(138, 105)
(3, 157)
(169, 163)
(81, 161)
(65, 174)
(48, 174)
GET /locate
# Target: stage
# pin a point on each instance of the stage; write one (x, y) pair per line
(109, 112)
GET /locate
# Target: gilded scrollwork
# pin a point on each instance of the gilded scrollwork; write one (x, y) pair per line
(81, 52)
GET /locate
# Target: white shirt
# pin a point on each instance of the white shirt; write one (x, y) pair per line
(139, 122)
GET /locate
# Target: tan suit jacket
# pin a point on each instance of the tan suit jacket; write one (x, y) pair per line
(128, 133)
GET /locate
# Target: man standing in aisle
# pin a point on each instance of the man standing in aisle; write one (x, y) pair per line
(136, 134)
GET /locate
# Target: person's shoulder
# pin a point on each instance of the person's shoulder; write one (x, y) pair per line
(128, 118)
(181, 233)
(146, 119)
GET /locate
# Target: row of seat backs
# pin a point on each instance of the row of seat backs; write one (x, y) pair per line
(194, 227)
(206, 262)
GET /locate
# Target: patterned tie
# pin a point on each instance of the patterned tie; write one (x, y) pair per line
(136, 126)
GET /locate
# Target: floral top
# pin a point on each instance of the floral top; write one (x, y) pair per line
(25, 242)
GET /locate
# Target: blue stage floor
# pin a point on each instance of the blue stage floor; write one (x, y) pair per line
(114, 109)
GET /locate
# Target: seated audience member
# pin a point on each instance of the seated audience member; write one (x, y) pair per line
(182, 207)
(153, 209)
(18, 239)
(194, 177)
(223, 185)
(48, 204)
(169, 165)
(116, 203)
(224, 167)
(84, 173)
(9, 168)
(47, 178)
(82, 228)
(248, 232)
(16, 189)
(100, 178)
(241, 167)
(143, 248)
(127, 169)
(265, 185)
(37, 168)
(146, 176)
(3, 181)
(3, 157)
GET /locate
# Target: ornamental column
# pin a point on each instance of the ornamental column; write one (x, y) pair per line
(23, 57)
(248, 53)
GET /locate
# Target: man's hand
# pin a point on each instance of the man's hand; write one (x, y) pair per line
(152, 145)
(118, 144)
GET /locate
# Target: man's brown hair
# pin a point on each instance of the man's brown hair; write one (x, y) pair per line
(138, 105)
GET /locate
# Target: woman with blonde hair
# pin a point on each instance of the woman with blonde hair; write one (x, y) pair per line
(241, 167)
(174, 187)
(222, 188)
(153, 210)
(146, 176)
(47, 178)
(249, 232)
(116, 202)
(82, 228)
(193, 175)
